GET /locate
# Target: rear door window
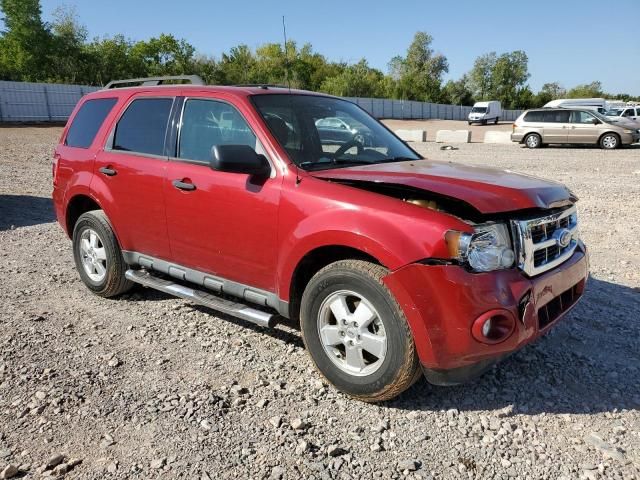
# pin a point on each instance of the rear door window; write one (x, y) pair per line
(143, 126)
(557, 116)
(88, 121)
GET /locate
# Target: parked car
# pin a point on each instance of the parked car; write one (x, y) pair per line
(334, 129)
(394, 265)
(629, 113)
(484, 112)
(598, 104)
(540, 127)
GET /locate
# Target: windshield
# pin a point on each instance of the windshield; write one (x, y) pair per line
(479, 110)
(319, 132)
(614, 112)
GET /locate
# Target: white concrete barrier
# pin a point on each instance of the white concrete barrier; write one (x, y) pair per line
(412, 135)
(496, 136)
(453, 136)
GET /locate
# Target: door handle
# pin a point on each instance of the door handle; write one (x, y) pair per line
(181, 185)
(109, 172)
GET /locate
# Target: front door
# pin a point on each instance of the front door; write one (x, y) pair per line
(130, 174)
(584, 128)
(220, 223)
(556, 126)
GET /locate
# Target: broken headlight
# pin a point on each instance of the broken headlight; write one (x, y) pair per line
(488, 248)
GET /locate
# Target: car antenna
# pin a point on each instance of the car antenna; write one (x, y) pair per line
(286, 55)
(287, 79)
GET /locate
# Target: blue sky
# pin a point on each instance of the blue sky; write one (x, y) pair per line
(570, 41)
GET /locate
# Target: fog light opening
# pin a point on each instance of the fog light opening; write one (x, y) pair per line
(493, 327)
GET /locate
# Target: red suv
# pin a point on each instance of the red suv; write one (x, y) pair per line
(240, 198)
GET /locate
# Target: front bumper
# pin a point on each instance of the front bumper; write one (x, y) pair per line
(442, 301)
(630, 138)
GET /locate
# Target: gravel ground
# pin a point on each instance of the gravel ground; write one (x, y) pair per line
(148, 386)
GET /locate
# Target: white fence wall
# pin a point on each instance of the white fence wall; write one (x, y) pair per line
(39, 102)
(52, 102)
(412, 110)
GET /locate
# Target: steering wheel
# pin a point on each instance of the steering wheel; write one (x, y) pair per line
(346, 146)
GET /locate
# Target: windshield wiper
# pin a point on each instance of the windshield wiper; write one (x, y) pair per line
(398, 159)
(336, 161)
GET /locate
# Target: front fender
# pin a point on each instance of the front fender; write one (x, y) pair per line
(389, 230)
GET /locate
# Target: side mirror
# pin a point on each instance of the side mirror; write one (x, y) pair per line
(239, 159)
(595, 121)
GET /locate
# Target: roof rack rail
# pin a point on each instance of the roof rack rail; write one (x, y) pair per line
(260, 85)
(154, 81)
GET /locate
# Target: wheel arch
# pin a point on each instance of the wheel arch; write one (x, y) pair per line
(315, 260)
(76, 206)
(610, 132)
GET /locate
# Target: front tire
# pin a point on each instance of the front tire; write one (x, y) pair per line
(533, 140)
(98, 256)
(609, 141)
(356, 333)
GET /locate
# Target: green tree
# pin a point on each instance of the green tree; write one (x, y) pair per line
(588, 90)
(164, 55)
(69, 52)
(237, 65)
(457, 92)
(481, 76)
(501, 77)
(111, 59)
(359, 80)
(548, 92)
(418, 75)
(25, 43)
(510, 74)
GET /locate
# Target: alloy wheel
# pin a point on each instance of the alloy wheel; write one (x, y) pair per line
(93, 255)
(352, 333)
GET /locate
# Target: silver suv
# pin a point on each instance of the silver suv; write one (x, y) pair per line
(536, 128)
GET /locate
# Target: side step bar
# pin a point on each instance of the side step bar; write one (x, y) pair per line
(229, 307)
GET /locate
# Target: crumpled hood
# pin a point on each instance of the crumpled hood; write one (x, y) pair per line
(486, 189)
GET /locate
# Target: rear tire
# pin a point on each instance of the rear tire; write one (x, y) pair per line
(533, 140)
(356, 333)
(609, 141)
(98, 256)
(496, 121)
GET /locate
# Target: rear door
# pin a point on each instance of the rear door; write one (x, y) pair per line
(129, 175)
(583, 128)
(219, 222)
(556, 126)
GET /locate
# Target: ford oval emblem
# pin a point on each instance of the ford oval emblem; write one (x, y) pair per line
(563, 237)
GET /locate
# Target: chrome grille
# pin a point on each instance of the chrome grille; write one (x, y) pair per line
(544, 243)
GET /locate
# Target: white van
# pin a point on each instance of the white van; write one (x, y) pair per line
(484, 112)
(600, 105)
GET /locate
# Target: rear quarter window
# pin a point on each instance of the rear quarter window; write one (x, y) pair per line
(88, 121)
(533, 117)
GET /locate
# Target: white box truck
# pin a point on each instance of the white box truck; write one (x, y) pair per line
(485, 112)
